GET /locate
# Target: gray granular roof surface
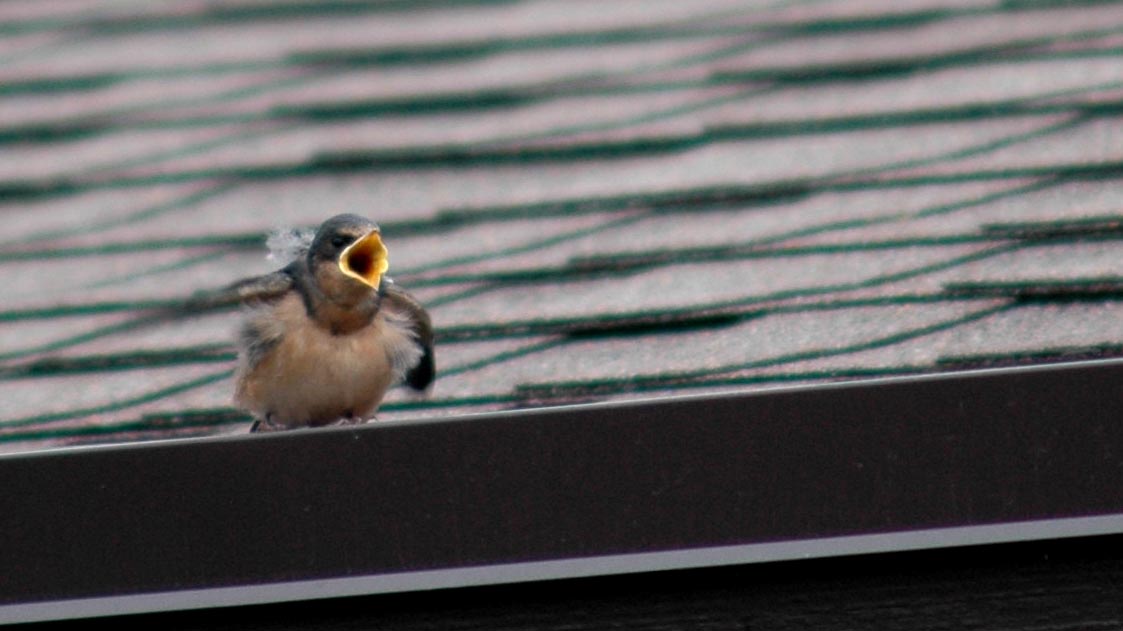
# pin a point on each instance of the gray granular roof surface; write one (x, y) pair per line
(596, 200)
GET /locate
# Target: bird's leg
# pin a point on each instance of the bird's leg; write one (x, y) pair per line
(264, 424)
(350, 419)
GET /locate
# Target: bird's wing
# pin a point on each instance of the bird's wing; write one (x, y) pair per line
(402, 304)
(251, 291)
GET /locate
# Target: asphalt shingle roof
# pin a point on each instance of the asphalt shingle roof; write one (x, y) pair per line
(595, 200)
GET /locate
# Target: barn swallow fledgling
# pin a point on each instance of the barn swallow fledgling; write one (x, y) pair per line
(325, 337)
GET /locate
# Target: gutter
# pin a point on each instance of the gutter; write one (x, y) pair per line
(936, 461)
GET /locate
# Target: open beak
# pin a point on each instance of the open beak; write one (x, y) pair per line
(366, 259)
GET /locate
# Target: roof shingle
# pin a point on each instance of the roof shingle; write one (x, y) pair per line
(596, 201)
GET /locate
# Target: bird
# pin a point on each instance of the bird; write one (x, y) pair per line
(325, 337)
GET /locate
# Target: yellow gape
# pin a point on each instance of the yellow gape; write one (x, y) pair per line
(366, 259)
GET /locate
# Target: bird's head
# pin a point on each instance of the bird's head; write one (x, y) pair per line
(353, 246)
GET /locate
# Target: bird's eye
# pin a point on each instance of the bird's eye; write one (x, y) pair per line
(339, 241)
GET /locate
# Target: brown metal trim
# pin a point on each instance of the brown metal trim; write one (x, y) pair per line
(932, 453)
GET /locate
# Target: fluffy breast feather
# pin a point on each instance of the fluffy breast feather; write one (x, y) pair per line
(297, 373)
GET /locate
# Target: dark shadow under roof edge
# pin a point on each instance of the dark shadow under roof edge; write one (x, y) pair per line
(612, 565)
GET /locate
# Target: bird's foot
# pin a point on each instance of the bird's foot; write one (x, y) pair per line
(350, 419)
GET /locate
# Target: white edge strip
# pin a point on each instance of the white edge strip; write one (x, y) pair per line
(560, 569)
